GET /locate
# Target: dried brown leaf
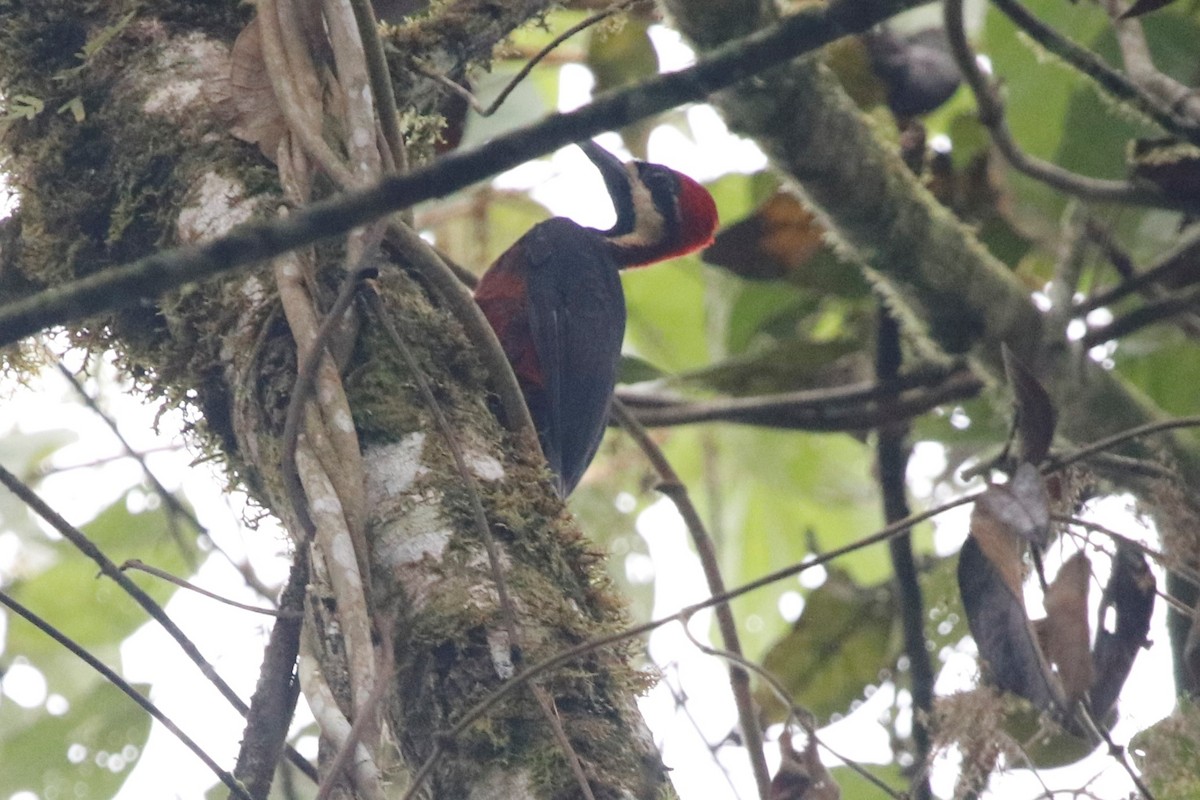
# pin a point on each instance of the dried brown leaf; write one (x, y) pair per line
(1020, 509)
(1064, 633)
(1036, 415)
(802, 776)
(256, 116)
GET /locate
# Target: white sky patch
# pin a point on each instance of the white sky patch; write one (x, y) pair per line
(24, 684)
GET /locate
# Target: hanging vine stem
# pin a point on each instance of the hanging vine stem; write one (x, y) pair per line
(421, 257)
(116, 680)
(381, 85)
(284, 78)
(140, 566)
(739, 680)
(385, 669)
(491, 108)
(484, 532)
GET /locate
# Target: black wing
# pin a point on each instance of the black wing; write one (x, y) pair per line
(577, 317)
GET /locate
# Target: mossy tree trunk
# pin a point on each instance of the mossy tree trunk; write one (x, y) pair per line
(139, 159)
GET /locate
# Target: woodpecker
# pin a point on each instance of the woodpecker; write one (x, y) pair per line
(554, 299)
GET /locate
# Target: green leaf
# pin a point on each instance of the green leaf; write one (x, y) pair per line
(763, 493)
(856, 786)
(1162, 364)
(632, 369)
(667, 314)
(837, 648)
(760, 310)
(101, 724)
(784, 367)
(93, 610)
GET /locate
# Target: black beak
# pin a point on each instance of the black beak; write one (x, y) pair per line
(616, 180)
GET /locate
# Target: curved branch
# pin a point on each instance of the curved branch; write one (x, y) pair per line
(236, 789)
(991, 114)
(1123, 88)
(739, 678)
(147, 278)
(856, 408)
(1156, 311)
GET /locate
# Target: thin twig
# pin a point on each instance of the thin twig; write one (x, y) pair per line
(1118, 752)
(683, 706)
(851, 408)
(153, 609)
(485, 705)
(803, 716)
(1181, 257)
(140, 566)
(739, 680)
(991, 114)
(491, 108)
(133, 694)
(177, 509)
(1057, 462)
(1167, 562)
(1153, 312)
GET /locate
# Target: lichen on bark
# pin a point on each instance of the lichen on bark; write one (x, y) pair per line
(150, 164)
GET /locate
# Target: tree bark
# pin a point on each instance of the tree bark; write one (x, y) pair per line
(149, 163)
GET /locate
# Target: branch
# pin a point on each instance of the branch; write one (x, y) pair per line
(991, 114)
(116, 680)
(1156, 311)
(153, 609)
(147, 278)
(1120, 86)
(851, 408)
(739, 680)
(1182, 257)
(892, 451)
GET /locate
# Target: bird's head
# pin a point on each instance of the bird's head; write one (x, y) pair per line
(661, 213)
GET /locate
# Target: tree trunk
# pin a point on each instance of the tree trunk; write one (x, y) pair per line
(147, 162)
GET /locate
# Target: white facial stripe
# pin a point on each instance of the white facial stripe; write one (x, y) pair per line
(649, 227)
